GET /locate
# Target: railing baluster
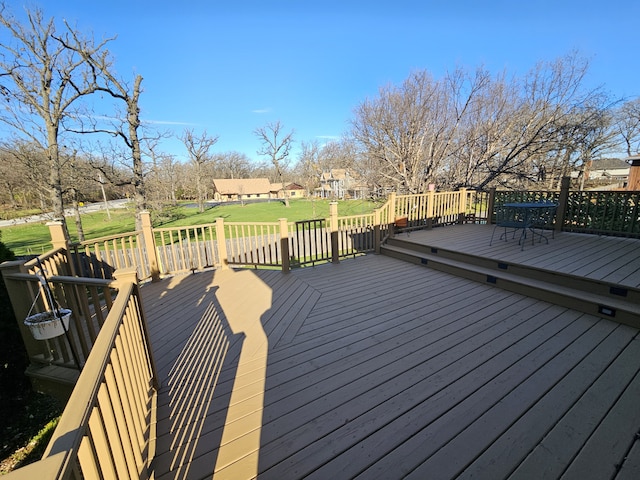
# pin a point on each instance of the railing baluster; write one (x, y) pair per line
(98, 433)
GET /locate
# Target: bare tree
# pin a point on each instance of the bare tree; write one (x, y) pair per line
(125, 127)
(409, 131)
(162, 180)
(477, 130)
(23, 175)
(276, 145)
(74, 192)
(42, 80)
(199, 148)
(627, 122)
(308, 169)
(232, 165)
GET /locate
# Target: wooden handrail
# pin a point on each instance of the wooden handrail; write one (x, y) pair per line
(107, 391)
(97, 282)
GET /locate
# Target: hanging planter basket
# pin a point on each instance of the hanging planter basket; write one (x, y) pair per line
(44, 326)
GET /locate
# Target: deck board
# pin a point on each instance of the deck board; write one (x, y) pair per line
(607, 447)
(379, 368)
(513, 445)
(569, 435)
(444, 411)
(541, 368)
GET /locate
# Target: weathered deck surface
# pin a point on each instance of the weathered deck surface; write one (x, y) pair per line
(377, 368)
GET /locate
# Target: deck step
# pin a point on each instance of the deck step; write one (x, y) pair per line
(54, 380)
(595, 297)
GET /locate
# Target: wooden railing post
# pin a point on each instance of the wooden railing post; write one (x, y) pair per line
(392, 213)
(123, 276)
(222, 244)
(284, 245)
(376, 230)
(431, 203)
(563, 203)
(491, 201)
(150, 245)
(333, 228)
(59, 239)
(462, 205)
(392, 205)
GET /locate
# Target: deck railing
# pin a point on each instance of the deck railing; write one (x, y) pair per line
(184, 249)
(254, 244)
(315, 241)
(107, 427)
(356, 234)
(595, 212)
(284, 244)
(100, 257)
(310, 242)
(433, 208)
(54, 262)
(89, 300)
(279, 244)
(602, 212)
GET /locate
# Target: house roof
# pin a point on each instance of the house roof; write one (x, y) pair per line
(608, 164)
(241, 186)
(334, 174)
(276, 187)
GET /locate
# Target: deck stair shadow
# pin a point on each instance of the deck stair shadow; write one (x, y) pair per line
(603, 299)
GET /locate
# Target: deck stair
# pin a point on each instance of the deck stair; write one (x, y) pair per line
(603, 299)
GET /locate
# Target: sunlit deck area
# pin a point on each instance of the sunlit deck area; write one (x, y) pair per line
(379, 368)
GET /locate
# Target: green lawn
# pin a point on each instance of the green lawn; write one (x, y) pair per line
(34, 238)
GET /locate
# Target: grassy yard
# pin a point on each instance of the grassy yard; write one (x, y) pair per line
(33, 238)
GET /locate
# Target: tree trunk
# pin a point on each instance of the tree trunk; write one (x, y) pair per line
(133, 119)
(55, 178)
(76, 214)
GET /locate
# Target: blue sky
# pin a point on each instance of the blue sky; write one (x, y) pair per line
(231, 67)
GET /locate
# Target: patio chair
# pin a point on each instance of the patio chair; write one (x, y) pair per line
(544, 218)
(512, 220)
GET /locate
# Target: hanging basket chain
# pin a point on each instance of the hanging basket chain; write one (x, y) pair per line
(55, 306)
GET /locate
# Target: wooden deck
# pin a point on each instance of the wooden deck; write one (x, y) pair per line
(378, 368)
(612, 259)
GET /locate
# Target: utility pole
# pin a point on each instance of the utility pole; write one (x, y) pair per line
(104, 196)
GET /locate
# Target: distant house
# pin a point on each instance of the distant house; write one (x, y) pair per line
(291, 190)
(227, 190)
(610, 169)
(334, 183)
(339, 183)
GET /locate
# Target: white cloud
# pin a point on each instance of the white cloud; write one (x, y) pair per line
(169, 122)
(261, 110)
